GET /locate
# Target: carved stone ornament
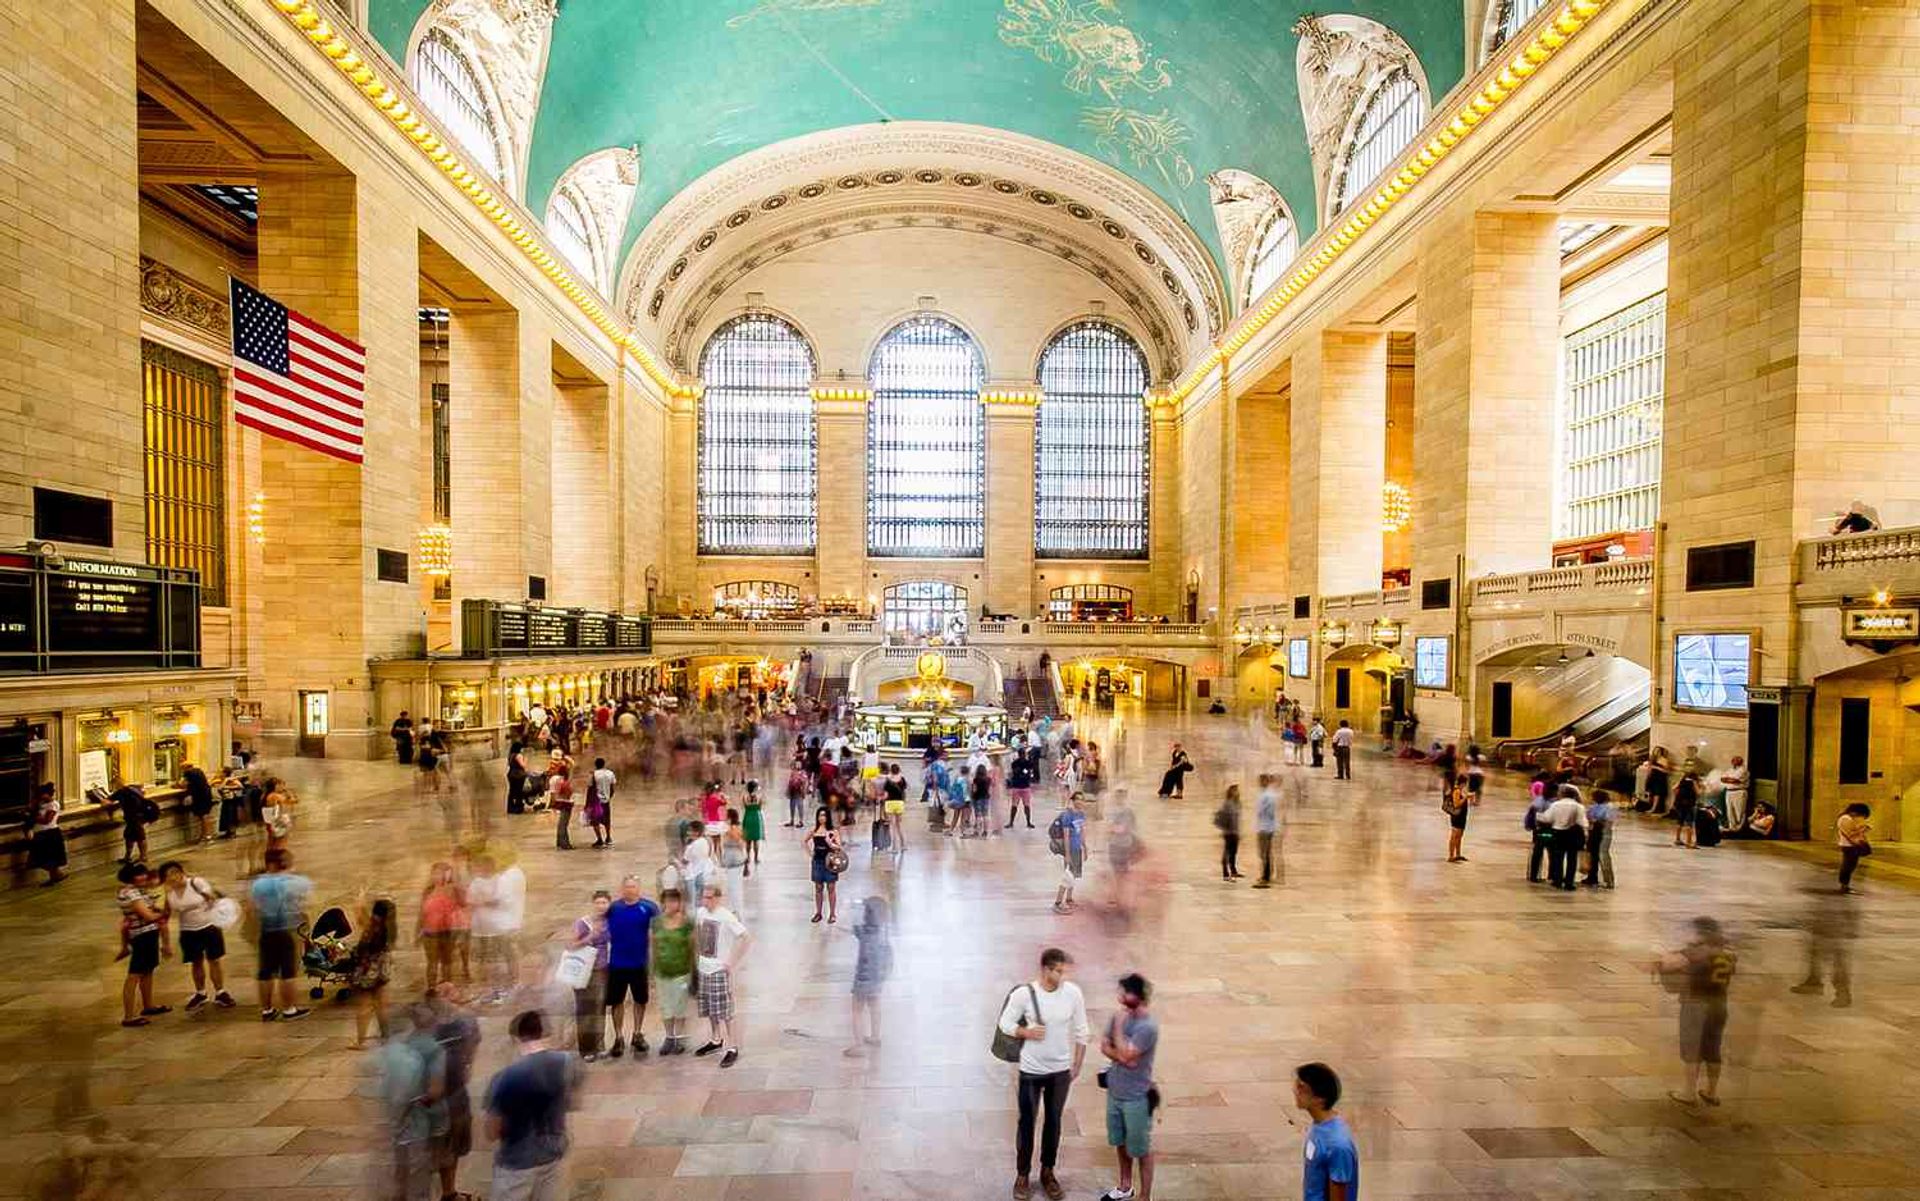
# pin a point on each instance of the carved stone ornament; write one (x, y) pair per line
(171, 296)
(1338, 57)
(604, 182)
(508, 40)
(1242, 205)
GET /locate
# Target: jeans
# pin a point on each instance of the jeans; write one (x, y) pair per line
(1343, 763)
(1600, 846)
(1564, 861)
(1266, 859)
(1230, 855)
(1539, 851)
(1048, 1090)
(1849, 860)
(590, 1012)
(1318, 746)
(561, 835)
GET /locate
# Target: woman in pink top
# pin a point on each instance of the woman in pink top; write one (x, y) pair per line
(713, 811)
(444, 922)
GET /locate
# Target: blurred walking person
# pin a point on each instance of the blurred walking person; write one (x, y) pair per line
(1852, 831)
(1700, 973)
(1266, 830)
(1227, 820)
(527, 1103)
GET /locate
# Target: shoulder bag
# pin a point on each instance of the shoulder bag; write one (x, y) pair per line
(1007, 1046)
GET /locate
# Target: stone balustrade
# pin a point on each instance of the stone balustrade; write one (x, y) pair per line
(1619, 575)
(1860, 565)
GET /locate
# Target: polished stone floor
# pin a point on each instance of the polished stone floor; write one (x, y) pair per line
(1496, 1039)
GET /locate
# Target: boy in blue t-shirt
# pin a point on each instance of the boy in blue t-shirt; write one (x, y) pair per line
(1331, 1169)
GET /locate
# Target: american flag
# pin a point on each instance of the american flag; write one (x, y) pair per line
(296, 379)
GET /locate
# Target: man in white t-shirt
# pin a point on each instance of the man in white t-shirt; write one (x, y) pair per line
(1050, 1015)
(1734, 798)
(720, 941)
(498, 902)
(1343, 751)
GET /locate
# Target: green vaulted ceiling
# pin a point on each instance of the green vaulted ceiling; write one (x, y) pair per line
(1165, 90)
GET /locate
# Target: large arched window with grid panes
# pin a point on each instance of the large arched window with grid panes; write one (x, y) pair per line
(757, 472)
(1611, 422)
(449, 85)
(570, 229)
(1272, 253)
(926, 443)
(1392, 114)
(1090, 446)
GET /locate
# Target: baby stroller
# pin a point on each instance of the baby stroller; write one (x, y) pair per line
(325, 954)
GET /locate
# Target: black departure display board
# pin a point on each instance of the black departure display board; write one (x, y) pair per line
(490, 628)
(90, 615)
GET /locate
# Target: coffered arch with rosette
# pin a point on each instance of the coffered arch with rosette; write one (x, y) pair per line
(801, 197)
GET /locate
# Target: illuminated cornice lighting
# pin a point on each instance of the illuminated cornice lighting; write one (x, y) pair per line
(1010, 396)
(842, 393)
(306, 16)
(1552, 36)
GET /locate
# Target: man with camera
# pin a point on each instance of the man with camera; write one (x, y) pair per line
(1130, 1040)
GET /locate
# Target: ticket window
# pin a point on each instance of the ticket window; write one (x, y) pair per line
(177, 741)
(27, 760)
(459, 706)
(316, 718)
(102, 741)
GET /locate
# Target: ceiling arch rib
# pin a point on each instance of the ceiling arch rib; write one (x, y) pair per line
(772, 202)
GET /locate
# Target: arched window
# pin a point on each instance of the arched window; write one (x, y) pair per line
(757, 472)
(1090, 446)
(1273, 252)
(926, 443)
(450, 88)
(570, 230)
(918, 608)
(1508, 17)
(1389, 119)
(755, 598)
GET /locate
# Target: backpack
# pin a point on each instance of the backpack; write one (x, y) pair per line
(1006, 1046)
(1223, 819)
(1057, 835)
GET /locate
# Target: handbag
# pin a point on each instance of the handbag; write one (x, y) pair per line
(836, 861)
(225, 913)
(1007, 1046)
(575, 969)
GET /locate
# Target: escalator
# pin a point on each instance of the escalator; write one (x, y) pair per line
(1608, 741)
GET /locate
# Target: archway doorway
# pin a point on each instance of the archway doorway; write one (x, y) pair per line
(1866, 747)
(1363, 685)
(1529, 699)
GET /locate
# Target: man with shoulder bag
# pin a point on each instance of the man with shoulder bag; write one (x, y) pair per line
(1131, 1038)
(1048, 1017)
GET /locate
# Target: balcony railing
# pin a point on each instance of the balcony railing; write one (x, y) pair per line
(1035, 630)
(1858, 550)
(1620, 575)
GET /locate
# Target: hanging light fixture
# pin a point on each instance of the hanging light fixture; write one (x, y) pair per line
(257, 519)
(436, 551)
(1396, 507)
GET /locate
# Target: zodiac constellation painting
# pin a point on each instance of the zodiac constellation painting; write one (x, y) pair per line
(1098, 52)
(778, 7)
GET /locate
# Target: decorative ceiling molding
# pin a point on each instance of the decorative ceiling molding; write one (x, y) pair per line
(1243, 203)
(945, 159)
(1337, 61)
(603, 182)
(508, 42)
(1154, 316)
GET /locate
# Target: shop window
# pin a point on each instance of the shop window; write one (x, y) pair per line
(758, 448)
(926, 443)
(1091, 444)
(1610, 445)
(186, 467)
(449, 85)
(70, 517)
(1090, 602)
(919, 608)
(1856, 726)
(756, 598)
(1390, 118)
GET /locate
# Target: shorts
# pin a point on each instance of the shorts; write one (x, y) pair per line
(715, 829)
(1459, 818)
(1130, 1125)
(624, 980)
(716, 996)
(543, 1182)
(145, 957)
(1702, 1027)
(1069, 870)
(488, 947)
(869, 773)
(673, 997)
(821, 875)
(453, 1146)
(896, 808)
(207, 944)
(278, 961)
(980, 808)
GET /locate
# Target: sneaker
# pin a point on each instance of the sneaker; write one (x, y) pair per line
(707, 1049)
(590, 1057)
(730, 1058)
(1117, 1194)
(268, 1015)
(224, 1000)
(639, 1045)
(196, 1001)
(294, 1014)
(618, 1049)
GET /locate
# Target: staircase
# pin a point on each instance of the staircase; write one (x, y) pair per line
(832, 688)
(1035, 692)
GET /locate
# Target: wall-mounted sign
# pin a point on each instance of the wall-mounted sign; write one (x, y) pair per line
(491, 628)
(1880, 625)
(1333, 634)
(1386, 633)
(1299, 656)
(88, 615)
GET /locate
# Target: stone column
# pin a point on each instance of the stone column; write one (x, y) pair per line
(682, 434)
(1163, 515)
(586, 558)
(500, 373)
(1257, 565)
(1008, 566)
(643, 477)
(1337, 418)
(1793, 351)
(69, 172)
(346, 255)
(840, 414)
(1488, 348)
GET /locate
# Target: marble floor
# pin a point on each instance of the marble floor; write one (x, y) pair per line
(1496, 1039)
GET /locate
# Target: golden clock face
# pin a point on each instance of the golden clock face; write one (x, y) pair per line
(931, 665)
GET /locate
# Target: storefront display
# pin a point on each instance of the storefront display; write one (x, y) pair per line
(459, 706)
